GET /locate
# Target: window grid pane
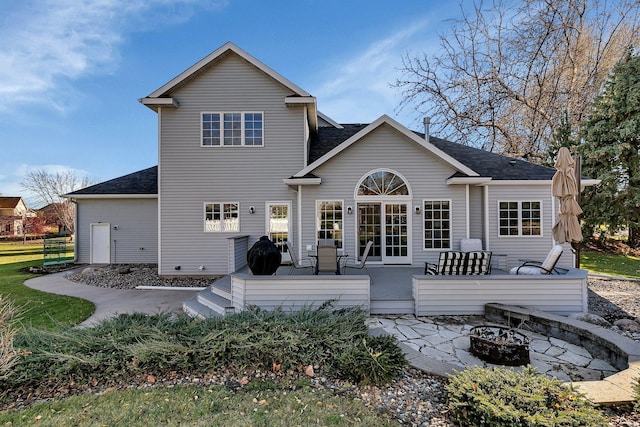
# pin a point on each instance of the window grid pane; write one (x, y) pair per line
(330, 221)
(520, 218)
(437, 225)
(211, 129)
(221, 217)
(232, 129)
(253, 129)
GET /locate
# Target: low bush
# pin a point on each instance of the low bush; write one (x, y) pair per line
(636, 394)
(8, 330)
(373, 360)
(504, 397)
(131, 345)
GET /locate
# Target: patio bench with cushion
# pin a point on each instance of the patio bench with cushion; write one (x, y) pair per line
(460, 263)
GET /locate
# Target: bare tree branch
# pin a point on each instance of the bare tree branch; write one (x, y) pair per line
(48, 188)
(505, 77)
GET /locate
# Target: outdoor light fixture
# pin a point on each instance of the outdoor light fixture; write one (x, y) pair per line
(417, 210)
(349, 210)
(115, 227)
(252, 209)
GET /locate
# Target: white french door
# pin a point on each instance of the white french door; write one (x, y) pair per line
(387, 224)
(278, 226)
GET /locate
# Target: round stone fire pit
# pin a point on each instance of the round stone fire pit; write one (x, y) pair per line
(499, 345)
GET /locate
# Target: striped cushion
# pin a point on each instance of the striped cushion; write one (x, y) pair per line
(478, 262)
(452, 262)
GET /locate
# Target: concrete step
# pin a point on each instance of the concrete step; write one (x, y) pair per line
(209, 298)
(197, 310)
(222, 287)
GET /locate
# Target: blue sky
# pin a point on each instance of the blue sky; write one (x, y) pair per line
(72, 71)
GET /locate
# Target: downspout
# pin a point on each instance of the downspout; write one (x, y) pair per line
(299, 244)
(486, 218)
(158, 204)
(75, 230)
(466, 188)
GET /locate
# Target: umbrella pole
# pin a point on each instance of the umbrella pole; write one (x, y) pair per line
(578, 171)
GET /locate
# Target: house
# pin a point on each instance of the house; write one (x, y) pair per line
(53, 215)
(13, 212)
(243, 152)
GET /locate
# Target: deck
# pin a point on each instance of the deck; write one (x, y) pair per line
(393, 290)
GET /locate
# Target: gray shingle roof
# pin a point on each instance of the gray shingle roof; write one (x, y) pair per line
(141, 182)
(496, 166)
(486, 164)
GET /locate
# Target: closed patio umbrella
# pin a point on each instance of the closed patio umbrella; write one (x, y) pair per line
(565, 188)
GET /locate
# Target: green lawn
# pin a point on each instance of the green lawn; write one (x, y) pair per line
(40, 309)
(610, 264)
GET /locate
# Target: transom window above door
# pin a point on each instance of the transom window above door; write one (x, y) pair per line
(383, 183)
(232, 129)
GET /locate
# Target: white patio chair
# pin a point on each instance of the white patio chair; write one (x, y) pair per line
(359, 265)
(299, 263)
(548, 266)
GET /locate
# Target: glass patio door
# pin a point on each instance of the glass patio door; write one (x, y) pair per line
(278, 226)
(387, 225)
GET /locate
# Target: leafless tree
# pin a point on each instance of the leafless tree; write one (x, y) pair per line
(506, 74)
(49, 187)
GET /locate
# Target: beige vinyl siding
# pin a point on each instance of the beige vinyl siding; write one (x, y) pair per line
(190, 174)
(477, 214)
(296, 292)
(385, 148)
(137, 221)
(524, 247)
(446, 295)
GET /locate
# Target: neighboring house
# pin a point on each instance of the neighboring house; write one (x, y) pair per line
(244, 152)
(13, 212)
(51, 216)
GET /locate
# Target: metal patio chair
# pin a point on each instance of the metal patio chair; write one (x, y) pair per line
(362, 264)
(299, 263)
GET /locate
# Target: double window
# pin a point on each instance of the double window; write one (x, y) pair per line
(520, 218)
(232, 129)
(221, 217)
(329, 220)
(437, 224)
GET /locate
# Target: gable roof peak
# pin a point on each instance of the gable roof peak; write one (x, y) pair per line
(363, 130)
(227, 47)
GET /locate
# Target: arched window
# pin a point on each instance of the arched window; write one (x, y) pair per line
(383, 183)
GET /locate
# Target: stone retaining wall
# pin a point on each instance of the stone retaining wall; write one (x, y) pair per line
(600, 342)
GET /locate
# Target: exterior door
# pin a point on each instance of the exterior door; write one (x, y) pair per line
(278, 223)
(100, 243)
(396, 234)
(386, 224)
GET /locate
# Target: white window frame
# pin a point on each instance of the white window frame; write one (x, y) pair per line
(424, 230)
(221, 208)
(340, 242)
(243, 129)
(520, 202)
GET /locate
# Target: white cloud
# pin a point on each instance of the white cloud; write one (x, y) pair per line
(361, 90)
(46, 44)
(22, 169)
(10, 182)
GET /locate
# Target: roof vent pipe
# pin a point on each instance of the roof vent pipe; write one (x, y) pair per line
(426, 121)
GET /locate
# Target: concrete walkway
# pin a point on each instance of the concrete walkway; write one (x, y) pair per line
(111, 302)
